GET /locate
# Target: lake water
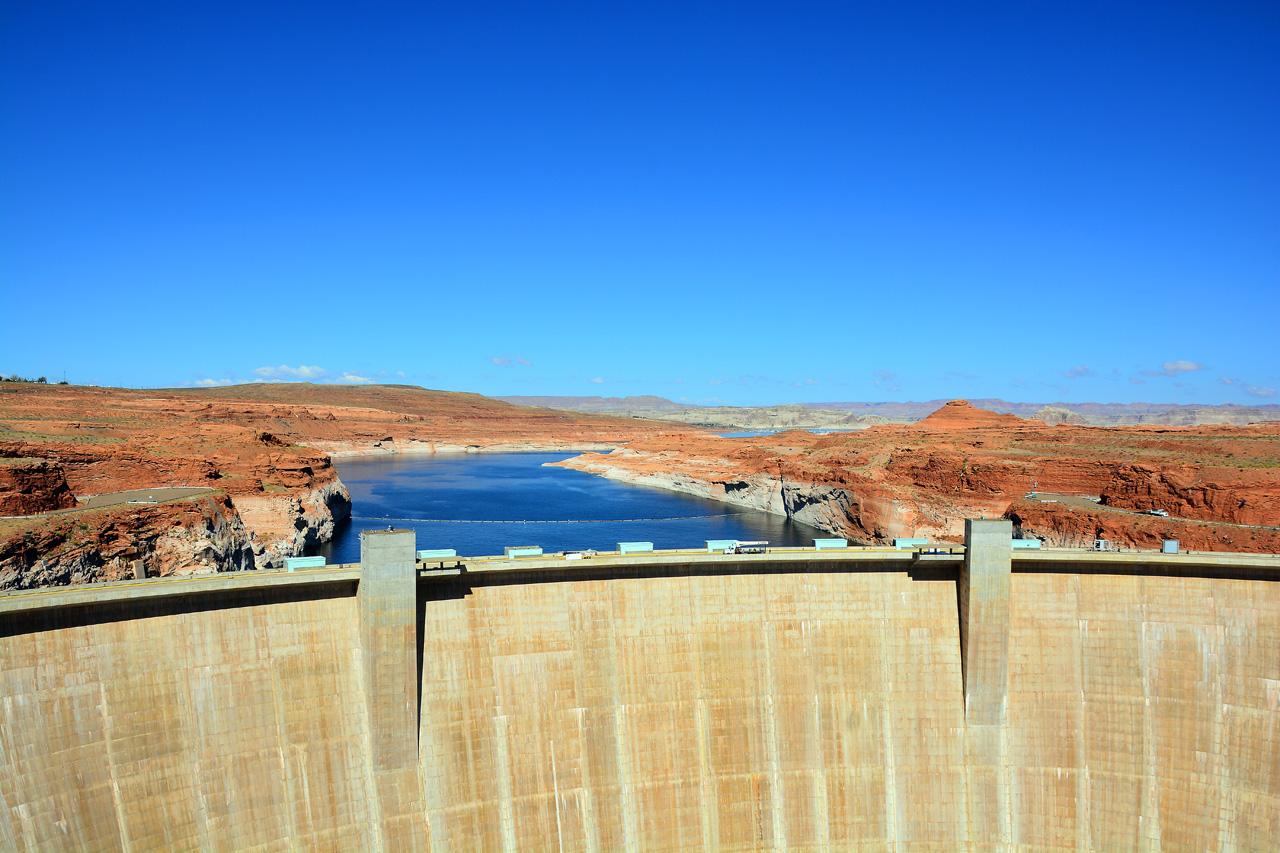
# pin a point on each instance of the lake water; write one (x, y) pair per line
(479, 504)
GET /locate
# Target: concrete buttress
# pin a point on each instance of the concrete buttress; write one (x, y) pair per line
(389, 657)
(984, 619)
(983, 598)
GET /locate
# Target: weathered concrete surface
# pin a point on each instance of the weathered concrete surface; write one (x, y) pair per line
(983, 596)
(767, 704)
(235, 728)
(984, 619)
(388, 597)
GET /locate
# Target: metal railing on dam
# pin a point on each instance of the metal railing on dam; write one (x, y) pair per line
(668, 700)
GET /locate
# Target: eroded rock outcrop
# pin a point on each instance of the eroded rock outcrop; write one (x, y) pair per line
(204, 535)
(33, 485)
(287, 525)
(1054, 415)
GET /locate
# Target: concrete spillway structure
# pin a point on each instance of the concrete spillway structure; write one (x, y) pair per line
(807, 700)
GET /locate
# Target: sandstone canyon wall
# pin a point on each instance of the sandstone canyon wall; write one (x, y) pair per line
(1219, 485)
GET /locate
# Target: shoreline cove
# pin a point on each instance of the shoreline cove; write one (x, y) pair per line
(478, 504)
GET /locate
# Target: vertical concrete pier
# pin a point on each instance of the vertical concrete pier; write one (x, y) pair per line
(984, 660)
(984, 619)
(389, 657)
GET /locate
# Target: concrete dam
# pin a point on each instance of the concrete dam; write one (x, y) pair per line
(801, 700)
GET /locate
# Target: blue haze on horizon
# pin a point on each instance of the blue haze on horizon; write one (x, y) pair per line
(744, 204)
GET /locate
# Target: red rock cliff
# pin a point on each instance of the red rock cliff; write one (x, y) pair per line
(33, 485)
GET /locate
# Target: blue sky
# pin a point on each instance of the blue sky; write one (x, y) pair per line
(742, 203)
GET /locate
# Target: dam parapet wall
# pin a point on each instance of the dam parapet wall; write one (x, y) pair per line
(790, 700)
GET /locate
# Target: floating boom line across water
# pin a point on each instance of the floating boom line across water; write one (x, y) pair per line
(527, 521)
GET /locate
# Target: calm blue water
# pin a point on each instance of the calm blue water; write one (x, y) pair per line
(441, 497)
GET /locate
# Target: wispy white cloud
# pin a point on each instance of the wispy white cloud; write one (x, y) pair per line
(1079, 372)
(284, 371)
(1173, 368)
(1137, 381)
(504, 360)
(1259, 391)
(597, 380)
(312, 373)
(886, 380)
(210, 383)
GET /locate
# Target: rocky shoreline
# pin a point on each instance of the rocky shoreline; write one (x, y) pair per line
(835, 510)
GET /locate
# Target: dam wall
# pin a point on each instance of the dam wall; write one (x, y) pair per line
(236, 724)
(801, 701)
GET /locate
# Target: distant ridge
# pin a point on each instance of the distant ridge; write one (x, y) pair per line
(609, 405)
(1097, 414)
(856, 415)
